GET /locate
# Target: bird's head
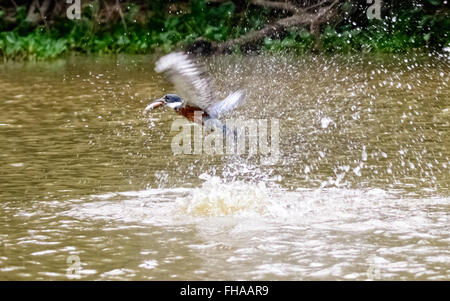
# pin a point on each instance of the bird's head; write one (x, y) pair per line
(170, 100)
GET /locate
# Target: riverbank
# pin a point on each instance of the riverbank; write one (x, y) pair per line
(137, 29)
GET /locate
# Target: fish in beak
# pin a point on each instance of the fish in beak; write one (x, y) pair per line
(155, 104)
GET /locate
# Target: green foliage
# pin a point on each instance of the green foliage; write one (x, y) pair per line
(163, 32)
(35, 45)
(299, 41)
(409, 30)
(157, 29)
(249, 20)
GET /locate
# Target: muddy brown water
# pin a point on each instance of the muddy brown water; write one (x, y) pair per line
(91, 189)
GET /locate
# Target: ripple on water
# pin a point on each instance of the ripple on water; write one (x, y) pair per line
(329, 233)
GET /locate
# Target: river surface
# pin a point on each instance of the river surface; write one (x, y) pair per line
(91, 189)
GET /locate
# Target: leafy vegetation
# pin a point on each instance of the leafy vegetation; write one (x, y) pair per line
(140, 28)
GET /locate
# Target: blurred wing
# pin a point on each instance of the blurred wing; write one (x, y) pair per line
(231, 102)
(191, 81)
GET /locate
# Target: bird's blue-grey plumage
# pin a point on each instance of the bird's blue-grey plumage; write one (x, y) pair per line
(194, 86)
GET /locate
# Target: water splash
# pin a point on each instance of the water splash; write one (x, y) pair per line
(217, 198)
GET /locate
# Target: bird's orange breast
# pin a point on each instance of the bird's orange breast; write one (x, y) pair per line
(189, 112)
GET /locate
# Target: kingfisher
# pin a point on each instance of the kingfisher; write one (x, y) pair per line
(195, 91)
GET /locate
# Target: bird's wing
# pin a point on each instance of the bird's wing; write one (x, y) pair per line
(231, 102)
(191, 80)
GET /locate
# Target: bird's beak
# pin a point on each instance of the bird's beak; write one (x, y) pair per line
(155, 104)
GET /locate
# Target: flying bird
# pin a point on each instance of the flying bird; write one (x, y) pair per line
(194, 87)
